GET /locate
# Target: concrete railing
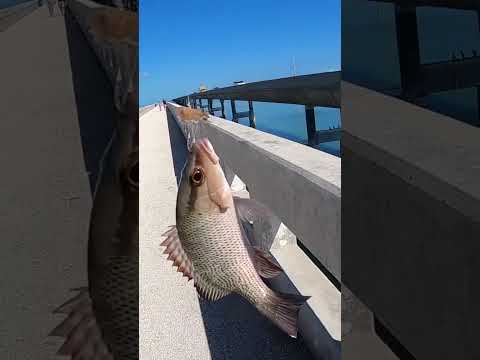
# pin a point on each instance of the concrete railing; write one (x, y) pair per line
(452, 4)
(412, 210)
(118, 58)
(302, 187)
(12, 14)
(9, 11)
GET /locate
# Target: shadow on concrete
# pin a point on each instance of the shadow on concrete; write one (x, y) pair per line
(95, 109)
(235, 329)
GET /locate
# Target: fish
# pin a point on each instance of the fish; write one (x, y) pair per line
(102, 321)
(211, 243)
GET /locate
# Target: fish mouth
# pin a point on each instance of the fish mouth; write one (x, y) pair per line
(204, 146)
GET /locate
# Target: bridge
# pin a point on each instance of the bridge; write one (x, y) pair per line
(312, 90)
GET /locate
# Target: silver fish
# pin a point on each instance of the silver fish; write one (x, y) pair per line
(210, 242)
(102, 320)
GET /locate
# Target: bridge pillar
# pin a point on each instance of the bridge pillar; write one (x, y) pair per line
(223, 108)
(251, 115)
(311, 127)
(234, 111)
(200, 104)
(408, 48)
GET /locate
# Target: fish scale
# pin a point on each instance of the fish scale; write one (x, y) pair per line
(215, 246)
(118, 291)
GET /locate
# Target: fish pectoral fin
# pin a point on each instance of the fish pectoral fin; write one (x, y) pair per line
(208, 291)
(80, 329)
(266, 265)
(251, 210)
(174, 249)
(259, 223)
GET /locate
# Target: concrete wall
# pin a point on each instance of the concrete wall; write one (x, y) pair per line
(411, 222)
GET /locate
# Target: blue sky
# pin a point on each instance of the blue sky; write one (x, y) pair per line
(187, 43)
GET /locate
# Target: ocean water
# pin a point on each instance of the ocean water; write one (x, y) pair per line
(288, 121)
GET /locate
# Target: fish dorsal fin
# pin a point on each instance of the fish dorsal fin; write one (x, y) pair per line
(83, 338)
(265, 264)
(174, 249)
(180, 259)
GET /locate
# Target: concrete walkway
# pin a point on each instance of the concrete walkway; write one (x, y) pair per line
(50, 148)
(174, 323)
(170, 325)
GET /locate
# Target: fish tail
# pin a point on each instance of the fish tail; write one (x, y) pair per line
(282, 310)
(80, 329)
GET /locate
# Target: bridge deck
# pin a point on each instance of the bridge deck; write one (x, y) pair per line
(174, 322)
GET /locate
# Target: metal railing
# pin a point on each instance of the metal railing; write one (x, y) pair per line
(321, 89)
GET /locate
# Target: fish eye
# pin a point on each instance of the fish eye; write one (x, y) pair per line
(197, 177)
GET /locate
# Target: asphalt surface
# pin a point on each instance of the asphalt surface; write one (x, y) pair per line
(174, 323)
